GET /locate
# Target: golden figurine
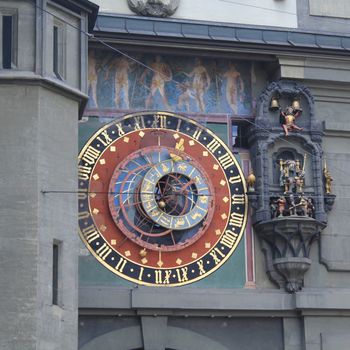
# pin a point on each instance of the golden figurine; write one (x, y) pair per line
(251, 179)
(328, 179)
(292, 175)
(287, 119)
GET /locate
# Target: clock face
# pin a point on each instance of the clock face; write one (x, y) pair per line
(162, 200)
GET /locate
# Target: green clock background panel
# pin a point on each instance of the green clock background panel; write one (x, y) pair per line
(231, 275)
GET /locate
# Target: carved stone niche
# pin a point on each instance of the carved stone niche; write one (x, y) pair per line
(289, 201)
(154, 8)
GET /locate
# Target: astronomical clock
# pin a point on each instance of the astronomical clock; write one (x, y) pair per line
(162, 200)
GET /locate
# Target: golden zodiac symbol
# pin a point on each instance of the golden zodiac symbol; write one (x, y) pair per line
(179, 147)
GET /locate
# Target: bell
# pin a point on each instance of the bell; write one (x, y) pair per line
(296, 104)
(274, 105)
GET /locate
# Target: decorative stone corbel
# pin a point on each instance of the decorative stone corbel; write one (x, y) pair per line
(253, 199)
(287, 241)
(155, 8)
(329, 200)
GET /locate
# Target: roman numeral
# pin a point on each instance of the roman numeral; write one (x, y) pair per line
(226, 161)
(229, 238)
(104, 251)
(82, 194)
(217, 255)
(121, 264)
(83, 215)
(213, 145)
(200, 264)
(182, 274)
(159, 121)
(159, 276)
(90, 233)
(90, 155)
(234, 179)
(83, 172)
(197, 134)
(236, 219)
(238, 199)
(178, 124)
(104, 138)
(141, 273)
(121, 132)
(139, 123)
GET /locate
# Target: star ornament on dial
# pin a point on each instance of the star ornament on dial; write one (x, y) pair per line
(162, 200)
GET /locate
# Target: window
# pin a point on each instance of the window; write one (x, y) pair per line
(55, 272)
(220, 129)
(8, 39)
(240, 135)
(58, 50)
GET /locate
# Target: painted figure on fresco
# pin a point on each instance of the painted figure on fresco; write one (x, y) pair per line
(287, 120)
(170, 82)
(92, 77)
(200, 82)
(186, 94)
(161, 74)
(234, 87)
(122, 67)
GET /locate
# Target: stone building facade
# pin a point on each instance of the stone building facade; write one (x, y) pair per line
(287, 284)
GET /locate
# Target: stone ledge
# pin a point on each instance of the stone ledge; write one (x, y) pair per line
(204, 302)
(325, 299)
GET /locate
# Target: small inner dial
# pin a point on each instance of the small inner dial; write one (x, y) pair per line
(175, 194)
(159, 200)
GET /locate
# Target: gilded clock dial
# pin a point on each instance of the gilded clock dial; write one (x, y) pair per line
(160, 203)
(162, 200)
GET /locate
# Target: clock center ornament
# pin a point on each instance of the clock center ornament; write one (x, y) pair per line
(162, 200)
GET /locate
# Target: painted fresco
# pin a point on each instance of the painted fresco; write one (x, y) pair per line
(164, 82)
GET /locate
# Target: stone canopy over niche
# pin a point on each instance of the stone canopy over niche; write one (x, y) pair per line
(290, 195)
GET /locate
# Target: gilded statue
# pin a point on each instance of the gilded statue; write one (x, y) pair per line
(251, 179)
(327, 179)
(292, 175)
